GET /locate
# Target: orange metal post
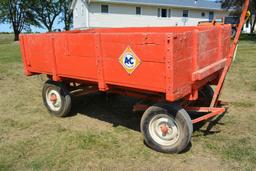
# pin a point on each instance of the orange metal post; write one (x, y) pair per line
(230, 56)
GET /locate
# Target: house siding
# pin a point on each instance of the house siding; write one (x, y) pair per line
(81, 15)
(121, 15)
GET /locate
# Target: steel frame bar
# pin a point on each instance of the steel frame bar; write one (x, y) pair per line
(213, 112)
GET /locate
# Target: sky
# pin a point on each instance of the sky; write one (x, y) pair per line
(7, 27)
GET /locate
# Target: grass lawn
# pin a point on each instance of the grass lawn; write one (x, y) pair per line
(104, 134)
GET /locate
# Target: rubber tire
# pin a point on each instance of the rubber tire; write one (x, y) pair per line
(182, 119)
(65, 98)
(205, 96)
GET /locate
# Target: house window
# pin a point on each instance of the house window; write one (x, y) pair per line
(185, 13)
(104, 8)
(138, 10)
(203, 14)
(164, 13)
(211, 16)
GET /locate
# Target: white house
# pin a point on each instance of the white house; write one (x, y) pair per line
(143, 13)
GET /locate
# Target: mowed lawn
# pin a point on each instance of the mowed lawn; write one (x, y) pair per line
(104, 135)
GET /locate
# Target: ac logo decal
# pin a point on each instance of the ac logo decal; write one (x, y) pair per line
(129, 60)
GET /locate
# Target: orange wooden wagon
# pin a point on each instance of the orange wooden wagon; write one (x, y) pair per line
(172, 66)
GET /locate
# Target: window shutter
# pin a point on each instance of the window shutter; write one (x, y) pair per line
(159, 12)
(169, 13)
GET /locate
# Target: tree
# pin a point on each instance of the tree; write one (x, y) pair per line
(237, 5)
(46, 12)
(17, 14)
(67, 14)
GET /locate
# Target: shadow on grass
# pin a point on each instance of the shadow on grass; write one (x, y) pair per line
(210, 125)
(248, 37)
(118, 110)
(110, 108)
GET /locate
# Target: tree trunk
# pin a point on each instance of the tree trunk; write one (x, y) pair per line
(16, 36)
(67, 26)
(49, 28)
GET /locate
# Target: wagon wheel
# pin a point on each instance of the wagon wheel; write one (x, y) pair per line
(204, 97)
(166, 128)
(56, 99)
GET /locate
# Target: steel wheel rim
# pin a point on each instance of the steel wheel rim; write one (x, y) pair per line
(164, 138)
(54, 104)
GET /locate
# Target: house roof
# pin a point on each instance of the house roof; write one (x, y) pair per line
(194, 4)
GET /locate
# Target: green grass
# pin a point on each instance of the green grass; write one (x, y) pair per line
(242, 104)
(241, 149)
(9, 50)
(104, 135)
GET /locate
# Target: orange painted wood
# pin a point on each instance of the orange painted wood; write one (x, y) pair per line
(208, 70)
(173, 59)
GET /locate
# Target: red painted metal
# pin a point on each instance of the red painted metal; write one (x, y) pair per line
(213, 112)
(164, 129)
(53, 98)
(175, 62)
(140, 107)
